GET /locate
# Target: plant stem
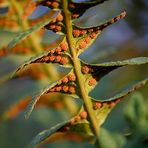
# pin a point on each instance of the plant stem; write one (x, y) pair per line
(77, 69)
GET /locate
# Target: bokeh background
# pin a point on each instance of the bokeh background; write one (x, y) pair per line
(125, 39)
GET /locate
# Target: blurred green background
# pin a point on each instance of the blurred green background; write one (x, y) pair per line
(125, 39)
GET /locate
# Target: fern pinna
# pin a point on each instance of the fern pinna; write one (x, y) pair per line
(83, 77)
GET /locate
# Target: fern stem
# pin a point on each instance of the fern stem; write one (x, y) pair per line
(77, 69)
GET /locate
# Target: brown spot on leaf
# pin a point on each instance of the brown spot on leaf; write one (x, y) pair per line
(65, 80)
(52, 51)
(77, 119)
(58, 58)
(55, 4)
(64, 61)
(58, 28)
(59, 17)
(83, 114)
(72, 77)
(76, 33)
(93, 35)
(64, 46)
(58, 88)
(65, 88)
(83, 32)
(58, 50)
(97, 105)
(92, 82)
(52, 58)
(72, 89)
(112, 104)
(85, 69)
(87, 40)
(46, 58)
(52, 27)
(82, 45)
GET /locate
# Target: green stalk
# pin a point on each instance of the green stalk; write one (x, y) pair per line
(77, 69)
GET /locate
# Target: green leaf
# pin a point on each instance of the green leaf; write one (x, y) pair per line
(94, 72)
(74, 125)
(103, 108)
(80, 122)
(105, 54)
(12, 62)
(64, 128)
(136, 111)
(133, 61)
(61, 86)
(36, 98)
(62, 58)
(45, 58)
(129, 90)
(112, 140)
(79, 7)
(46, 133)
(103, 15)
(26, 33)
(85, 36)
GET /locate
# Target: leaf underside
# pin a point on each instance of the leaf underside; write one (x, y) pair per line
(101, 109)
(69, 88)
(92, 73)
